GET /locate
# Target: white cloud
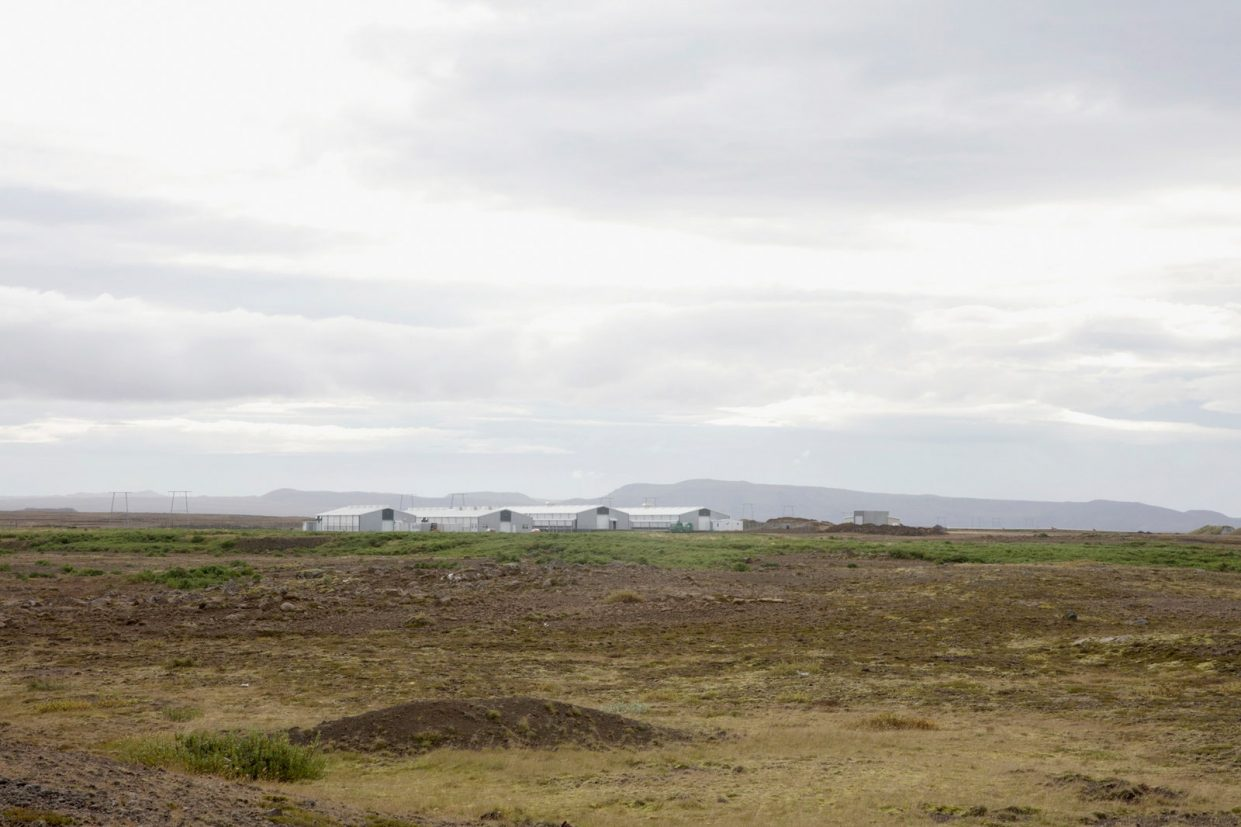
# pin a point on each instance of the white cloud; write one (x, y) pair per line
(46, 430)
(524, 229)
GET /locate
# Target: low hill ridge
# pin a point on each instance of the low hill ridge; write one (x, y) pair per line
(760, 501)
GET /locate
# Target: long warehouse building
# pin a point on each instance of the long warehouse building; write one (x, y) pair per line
(524, 518)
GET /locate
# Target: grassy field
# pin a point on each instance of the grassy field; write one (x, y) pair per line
(972, 679)
(665, 550)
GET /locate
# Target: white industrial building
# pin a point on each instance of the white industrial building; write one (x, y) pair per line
(665, 518)
(874, 518)
(503, 520)
(575, 517)
(519, 519)
(362, 518)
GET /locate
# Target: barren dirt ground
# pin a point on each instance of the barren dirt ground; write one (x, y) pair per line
(817, 687)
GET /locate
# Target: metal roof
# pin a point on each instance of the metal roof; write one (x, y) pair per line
(441, 513)
(661, 511)
(355, 510)
(554, 509)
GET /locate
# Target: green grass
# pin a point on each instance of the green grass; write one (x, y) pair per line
(1116, 550)
(199, 578)
(181, 714)
(699, 550)
(252, 755)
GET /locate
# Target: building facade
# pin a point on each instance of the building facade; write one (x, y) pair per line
(503, 520)
(686, 518)
(519, 519)
(575, 517)
(362, 518)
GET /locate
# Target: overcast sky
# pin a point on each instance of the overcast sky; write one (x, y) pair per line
(966, 248)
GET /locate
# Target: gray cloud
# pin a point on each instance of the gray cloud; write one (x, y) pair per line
(846, 357)
(736, 110)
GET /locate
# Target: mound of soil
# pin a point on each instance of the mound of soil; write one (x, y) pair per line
(40, 784)
(479, 723)
(804, 525)
(890, 530)
(1116, 789)
(262, 544)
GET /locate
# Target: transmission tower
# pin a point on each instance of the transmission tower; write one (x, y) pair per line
(112, 512)
(172, 506)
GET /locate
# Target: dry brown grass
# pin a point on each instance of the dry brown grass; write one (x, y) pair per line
(891, 721)
(878, 695)
(624, 596)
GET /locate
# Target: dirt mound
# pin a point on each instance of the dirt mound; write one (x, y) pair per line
(1116, 789)
(43, 785)
(1214, 530)
(479, 723)
(262, 544)
(804, 525)
(890, 530)
(800, 525)
(1171, 818)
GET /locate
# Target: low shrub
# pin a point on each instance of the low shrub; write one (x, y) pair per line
(45, 684)
(892, 721)
(199, 578)
(252, 755)
(181, 714)
(624, 596)
(63, 705)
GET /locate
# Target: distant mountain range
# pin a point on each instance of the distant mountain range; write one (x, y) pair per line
(739, 499)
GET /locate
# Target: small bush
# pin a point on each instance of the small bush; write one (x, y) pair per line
(181, 714)
(253, 755)
(624, 596)
(417, 621)
(44, 684)
(63, 705)
(180, 663)
(892, 721)
(199, 578)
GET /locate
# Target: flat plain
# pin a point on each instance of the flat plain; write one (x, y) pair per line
(1037, 678)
